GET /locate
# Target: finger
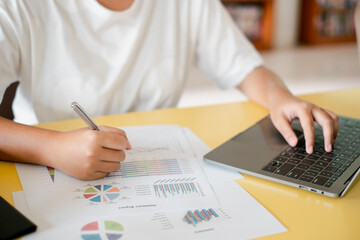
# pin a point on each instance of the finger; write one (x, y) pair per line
(284, 127)
(95, 175)
(114, 141)
(326, 122)
(113, 130)
(107, 167)
(111, 155)
(335, 119)
(116, 131)
(307, 124)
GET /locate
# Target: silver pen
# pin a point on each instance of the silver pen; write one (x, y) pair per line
(80, 111)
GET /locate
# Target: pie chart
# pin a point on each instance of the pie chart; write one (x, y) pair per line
(102, 230)
(101, 193)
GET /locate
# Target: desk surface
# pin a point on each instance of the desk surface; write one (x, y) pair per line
(305, 214)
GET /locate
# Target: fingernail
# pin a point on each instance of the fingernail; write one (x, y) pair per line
(292, 141)
(329, 148)
(309, 149)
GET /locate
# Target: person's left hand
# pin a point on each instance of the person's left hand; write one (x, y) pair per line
(266, 88)
(284, 108)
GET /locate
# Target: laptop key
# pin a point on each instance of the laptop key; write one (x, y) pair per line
(351, 147)
(328, 184)
(326, 174)
(326, 159)
(286, 154)
(269, 168)
(295, 173)
(349, 151)
(313, 157)
(302, 151)
(321, 163)
(333, 179)
(347, 164)
(330, 154)
(303, 166)
(306, 178)
(342, 170)
(331, 169)
(308, 161)
(280, 159)
(312, 173)
(335, 164)
(275, 163)
(299, 156)
(336, 152)
(317, 168)
(317, 153)
(294, 161)
(284, 169)
(319, 180)
(340, 160)
(292, 150)
(344, 155)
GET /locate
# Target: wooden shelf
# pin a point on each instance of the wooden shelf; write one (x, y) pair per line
(326, 24)
(263, 40)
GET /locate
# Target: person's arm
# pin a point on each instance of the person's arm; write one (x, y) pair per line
(265, 88)
(83, 153)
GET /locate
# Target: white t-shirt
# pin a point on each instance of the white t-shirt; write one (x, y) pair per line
(114, 61)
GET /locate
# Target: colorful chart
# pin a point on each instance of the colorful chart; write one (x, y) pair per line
(140, 150)
(51, 173)
(98, 230)
(148, 168)
(101, 193)
(198, 216)
(175, 189)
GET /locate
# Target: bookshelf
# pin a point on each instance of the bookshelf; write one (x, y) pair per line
(327, 21)
(254, 18)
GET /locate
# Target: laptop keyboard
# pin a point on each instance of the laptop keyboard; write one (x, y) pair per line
(320, 167)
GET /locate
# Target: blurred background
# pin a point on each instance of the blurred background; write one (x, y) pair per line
(310, 44)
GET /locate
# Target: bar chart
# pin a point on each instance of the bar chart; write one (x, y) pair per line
(176, 189)
(158, 167)
(198, 216)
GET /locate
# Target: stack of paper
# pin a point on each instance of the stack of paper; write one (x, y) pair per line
(163, 190)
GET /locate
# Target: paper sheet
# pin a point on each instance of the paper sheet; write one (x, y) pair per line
(239, 216)
(215, 174)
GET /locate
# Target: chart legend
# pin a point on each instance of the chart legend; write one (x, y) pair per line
(101, 193)
(102, 230)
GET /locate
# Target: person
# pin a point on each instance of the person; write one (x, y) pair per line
(115, 56)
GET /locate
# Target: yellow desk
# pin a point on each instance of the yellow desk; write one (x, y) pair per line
(305, 214)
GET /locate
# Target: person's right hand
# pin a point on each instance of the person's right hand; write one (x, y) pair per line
(87, 154)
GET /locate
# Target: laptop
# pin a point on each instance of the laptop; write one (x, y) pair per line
(261, 151)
